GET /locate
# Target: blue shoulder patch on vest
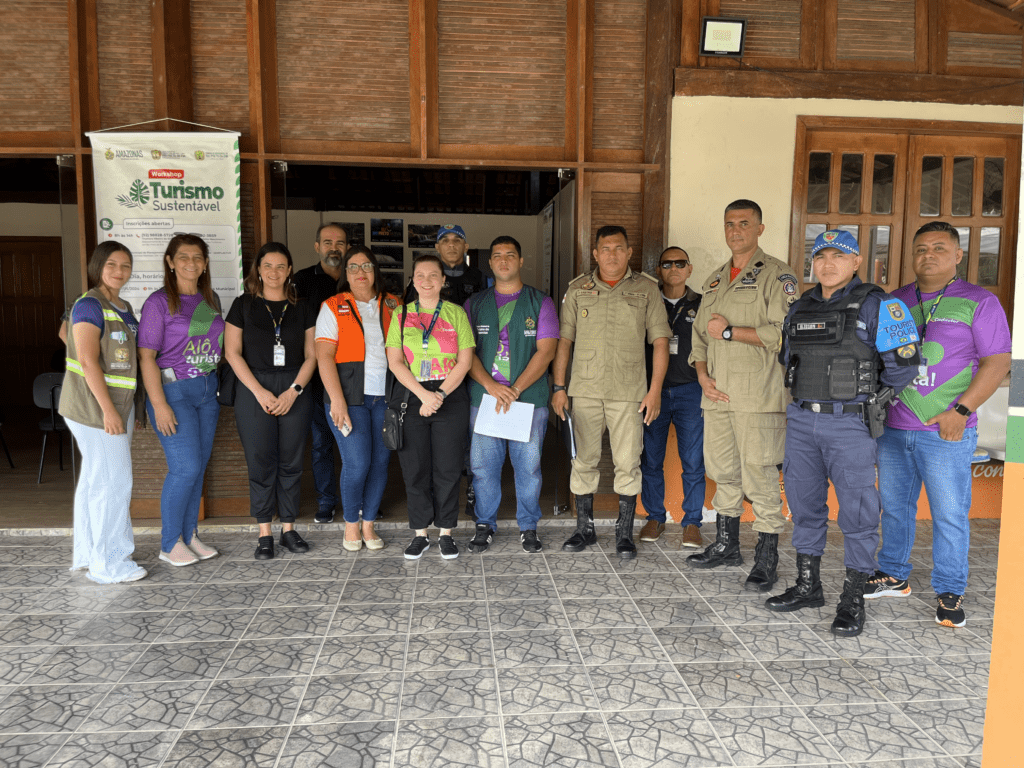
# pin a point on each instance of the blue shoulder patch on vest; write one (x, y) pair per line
(895, 326)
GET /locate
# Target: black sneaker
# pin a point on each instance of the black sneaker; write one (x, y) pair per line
(950, 612)
(884, 585)
(324, 516)
(530, 541)
(483, 538)
(415, 550)
(448, 549)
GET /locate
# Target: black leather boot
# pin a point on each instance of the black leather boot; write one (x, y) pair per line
(806, 593)
(624, 528)
(726, 548)
(584, 535)
(850, 616)
(764, 574)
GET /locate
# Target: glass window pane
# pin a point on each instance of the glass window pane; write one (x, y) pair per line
(811, 231)
(881, 183)
(988, 258)
(931, 185)
(879, 255)
(819, 168)
(965, 246)
(850, 183)
(992, 192)
(963, 185)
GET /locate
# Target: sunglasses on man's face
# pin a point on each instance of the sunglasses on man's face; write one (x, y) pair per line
(677, 263)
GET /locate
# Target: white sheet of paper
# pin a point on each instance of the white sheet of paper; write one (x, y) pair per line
(514, 425)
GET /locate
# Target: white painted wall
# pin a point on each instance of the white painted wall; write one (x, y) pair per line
(32, 220)
(725, 148)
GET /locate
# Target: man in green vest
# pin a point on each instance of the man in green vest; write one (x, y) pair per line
(516, 331)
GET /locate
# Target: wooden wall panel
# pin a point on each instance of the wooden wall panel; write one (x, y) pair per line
(343, 70)
(624, 209)
(125, 58)
(620, 31)
(35, 89)
(880, 30)
(220, 64)
(980, 49)
(773, 26)
(501, 72)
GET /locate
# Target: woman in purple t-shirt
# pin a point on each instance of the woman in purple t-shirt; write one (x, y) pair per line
(181, 337)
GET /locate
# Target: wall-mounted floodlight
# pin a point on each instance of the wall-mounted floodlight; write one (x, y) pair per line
(722, 37)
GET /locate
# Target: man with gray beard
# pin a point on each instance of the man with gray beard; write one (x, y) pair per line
(315, 285)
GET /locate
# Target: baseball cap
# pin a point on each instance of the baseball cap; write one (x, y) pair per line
(451, 229)
(836, 238)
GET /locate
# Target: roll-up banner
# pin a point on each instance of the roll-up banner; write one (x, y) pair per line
(152, 186)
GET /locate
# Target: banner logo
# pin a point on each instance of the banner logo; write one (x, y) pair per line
(137, 196)
(156, 154)
(200, 155)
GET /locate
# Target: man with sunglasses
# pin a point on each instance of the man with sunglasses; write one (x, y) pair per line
(680, 405)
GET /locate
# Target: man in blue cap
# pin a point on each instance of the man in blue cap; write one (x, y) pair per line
(460, 282)
(847, 347)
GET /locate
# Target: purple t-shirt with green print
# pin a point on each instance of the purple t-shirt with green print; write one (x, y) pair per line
(190, 341)
(968, 325)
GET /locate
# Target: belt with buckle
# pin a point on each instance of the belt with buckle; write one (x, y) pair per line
(833, 407)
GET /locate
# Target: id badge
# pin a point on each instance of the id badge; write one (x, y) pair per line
(673, 345)
(424, 370)
(279, 354)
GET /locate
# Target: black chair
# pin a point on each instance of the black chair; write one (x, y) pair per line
(3, 443)
(46, 395)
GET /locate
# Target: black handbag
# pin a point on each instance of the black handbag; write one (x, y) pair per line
(394, 418)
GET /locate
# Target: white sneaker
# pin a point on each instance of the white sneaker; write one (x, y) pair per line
(202, 551)
(179, 555)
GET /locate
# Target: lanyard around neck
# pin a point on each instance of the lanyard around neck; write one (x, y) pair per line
(276, 321)
(935, 307)
(429, 329)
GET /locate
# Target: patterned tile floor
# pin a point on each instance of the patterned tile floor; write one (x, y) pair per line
(502, 659)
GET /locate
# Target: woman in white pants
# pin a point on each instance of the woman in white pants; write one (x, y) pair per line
(98, 404)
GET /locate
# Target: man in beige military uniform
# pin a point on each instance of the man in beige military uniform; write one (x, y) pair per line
(607, 314)
(736, 341)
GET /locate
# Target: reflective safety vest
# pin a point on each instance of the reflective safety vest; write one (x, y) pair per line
(120, 364)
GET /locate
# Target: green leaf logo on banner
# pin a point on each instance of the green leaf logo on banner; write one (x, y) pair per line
(137, 196)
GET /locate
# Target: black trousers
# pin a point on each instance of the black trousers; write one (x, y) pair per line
(432, 456)
(273, 447)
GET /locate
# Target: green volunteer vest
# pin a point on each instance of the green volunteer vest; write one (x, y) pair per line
(522, 341)
(119, 360)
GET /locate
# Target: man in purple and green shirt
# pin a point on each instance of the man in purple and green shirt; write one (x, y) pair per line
(931, 432)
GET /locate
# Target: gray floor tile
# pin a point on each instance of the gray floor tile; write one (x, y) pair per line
(47, 629)
(30, 750)
(466, 742)
(339, 745)
(959, 724)
(449, 650)
(18, 663)
(567, 566)
(462, 693)
(29, 576)
(309, 570)
(529, 614)
(590, 585)
(130, 750)
(872, 731)
(249, 747)
(249, 703)
(823, 681)
(751, 610)
(524, 586)
(392, 567)
(272, 621)
(534, 648)
(169, 662)
(350, 698)
(777, 642)
(619, 646)
(361, 653)
(972, 670)
(295, 593)
(369, 619)
(639, 686)
(377, 591)
(495, 564)
(270, 658)
(927, 637)
(701, 643)
(212, 624)
(130, 627)
(77, 599)
(537, 690)
(588, 614)
(912, 678)
(86, 664)
(433, 566)
(220, 596)
(253, 571)
(147, 707)
(578, 740)
(48, 708)
(731, 684)
(144, 596)
(671, 739)
(676, 611)
(770, 736)
(449, 617)
(448, 590)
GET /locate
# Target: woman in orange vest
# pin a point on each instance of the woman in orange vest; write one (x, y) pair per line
(350, 333)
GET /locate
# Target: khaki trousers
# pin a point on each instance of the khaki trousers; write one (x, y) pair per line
(626, 434)
(742, 452)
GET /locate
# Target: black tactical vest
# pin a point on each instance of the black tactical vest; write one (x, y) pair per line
(826, 359)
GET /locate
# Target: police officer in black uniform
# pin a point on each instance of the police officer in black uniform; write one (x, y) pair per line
(848, 347)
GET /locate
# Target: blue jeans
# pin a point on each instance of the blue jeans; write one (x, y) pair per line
(906, 458)
(488, 457)
(364, 459)
(195, 406)
(322, 451)
(680, 405)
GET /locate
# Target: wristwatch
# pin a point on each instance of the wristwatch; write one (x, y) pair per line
(963, 410)
(727, 333)
(558, 388)
(296, 386)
